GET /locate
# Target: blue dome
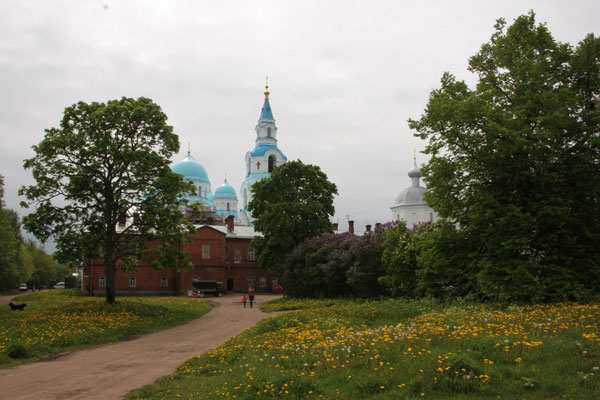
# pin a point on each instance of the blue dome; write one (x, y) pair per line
(262, 149)
(225, 191)
(191, 169)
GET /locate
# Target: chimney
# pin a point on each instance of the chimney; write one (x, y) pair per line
(351, 227)
(229, 222)
(368, 228)
(335, 226)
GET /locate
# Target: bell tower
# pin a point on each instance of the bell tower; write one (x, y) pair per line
(265, 157)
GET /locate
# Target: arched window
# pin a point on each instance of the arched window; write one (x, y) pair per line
(199, 190)
(271, 163)
(269, 132)
(227, 206)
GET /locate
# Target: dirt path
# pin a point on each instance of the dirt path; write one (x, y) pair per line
(110, 371)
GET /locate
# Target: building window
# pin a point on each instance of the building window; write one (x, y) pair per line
(269, 132)
(132, 281)
(263, 282)
(274, 282)
(226, 253)
(163, 281)
(250, 281)
(227, 206)
(206, 251)
(122, 221)
(250, 254)
(237, 254)
(102, 281)
(199, 190)
(271, 163)
(430, 217)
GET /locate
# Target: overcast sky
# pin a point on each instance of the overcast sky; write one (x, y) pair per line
(344, 77)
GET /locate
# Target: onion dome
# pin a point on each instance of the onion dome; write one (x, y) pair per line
(191, 169)
(225, 191)
(413, 195)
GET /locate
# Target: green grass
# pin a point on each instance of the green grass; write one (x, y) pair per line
(59, 320)
(395, 349)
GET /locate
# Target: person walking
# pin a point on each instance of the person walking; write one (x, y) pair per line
(244, 300)
(251, 294)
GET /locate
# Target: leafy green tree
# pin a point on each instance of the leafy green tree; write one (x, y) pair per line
(292, 205)
(400, 261)
(45, 273)
(9, 246)
(443, 267)
(25, 263)
(105, 163)
(515, 163)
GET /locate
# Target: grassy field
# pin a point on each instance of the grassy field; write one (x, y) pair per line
(58, 320)
(394, 349)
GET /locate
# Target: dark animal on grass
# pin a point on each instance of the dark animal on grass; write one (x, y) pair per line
(17, 306)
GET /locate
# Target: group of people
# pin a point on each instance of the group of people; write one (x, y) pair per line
(249, 296)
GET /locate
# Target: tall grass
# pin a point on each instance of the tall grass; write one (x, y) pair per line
(59, 320)
(396, 349)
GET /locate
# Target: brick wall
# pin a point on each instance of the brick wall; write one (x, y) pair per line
(232, 272)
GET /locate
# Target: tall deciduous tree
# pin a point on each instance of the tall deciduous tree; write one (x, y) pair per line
(292, 205)
(103, 164)
(515, 162)
(9, 248)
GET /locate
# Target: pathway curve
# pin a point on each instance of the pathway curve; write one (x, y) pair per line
(110, 371)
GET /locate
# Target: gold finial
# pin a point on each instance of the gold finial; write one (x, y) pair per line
(189, 147)
(225, 177)
(267, 87)
(415, 156)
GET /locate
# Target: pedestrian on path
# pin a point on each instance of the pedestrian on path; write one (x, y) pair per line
(244, 300)
(251, 295)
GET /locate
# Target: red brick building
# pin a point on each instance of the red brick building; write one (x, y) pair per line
(218, 252)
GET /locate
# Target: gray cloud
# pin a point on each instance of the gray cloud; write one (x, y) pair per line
(344, 76)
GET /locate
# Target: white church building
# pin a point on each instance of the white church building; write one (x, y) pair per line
(410, 205)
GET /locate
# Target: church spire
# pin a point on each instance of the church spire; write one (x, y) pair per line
(266, 113)
(267, 88)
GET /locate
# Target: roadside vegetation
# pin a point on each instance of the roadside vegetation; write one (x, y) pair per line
(60, 320)
(395, 349)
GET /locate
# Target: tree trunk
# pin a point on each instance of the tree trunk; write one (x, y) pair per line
(109, 269)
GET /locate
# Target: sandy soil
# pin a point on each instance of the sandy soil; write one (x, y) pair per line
(110, 371)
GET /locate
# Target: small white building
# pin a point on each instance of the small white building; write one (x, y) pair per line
(410, 205)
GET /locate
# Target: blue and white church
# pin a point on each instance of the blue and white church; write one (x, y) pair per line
(265, 156)
(259, 163)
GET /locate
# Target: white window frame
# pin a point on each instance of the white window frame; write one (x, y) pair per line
(132, 281)
(237, 254)
(163, 281)
(263, 282)
(250, 254)
(206, 251)
(101, 281)
(250, 281)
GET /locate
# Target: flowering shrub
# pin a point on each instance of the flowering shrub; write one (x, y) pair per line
(333, 265)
